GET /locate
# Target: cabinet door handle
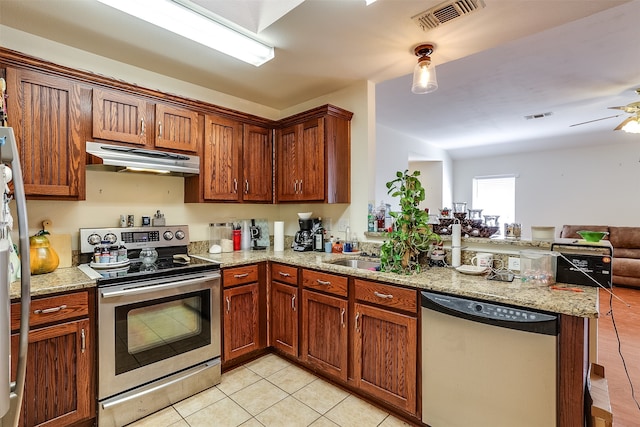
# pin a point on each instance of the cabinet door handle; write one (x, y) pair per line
(228, 305)
(293, 302)
(240, 276)
(284, 274)
(142, 127)
(300, 187)
(342, 317)
(50, 310)
(235, 185)
(357, 321)
(295, 187)
(246, 186)
(83, 340)
(322, 282)
(160, 130)
(383, 296)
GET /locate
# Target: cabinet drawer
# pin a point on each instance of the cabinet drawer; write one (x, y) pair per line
(285, 274)
(386, 295)
(239, 275)
(331, 283)
(53, 309)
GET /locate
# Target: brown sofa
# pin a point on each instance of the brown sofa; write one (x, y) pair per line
(626, 250)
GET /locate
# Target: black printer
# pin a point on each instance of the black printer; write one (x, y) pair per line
(584, 263)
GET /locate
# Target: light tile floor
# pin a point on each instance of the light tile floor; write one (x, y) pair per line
(271, 391)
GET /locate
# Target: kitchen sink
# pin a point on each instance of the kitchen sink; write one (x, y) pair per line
(357, 263)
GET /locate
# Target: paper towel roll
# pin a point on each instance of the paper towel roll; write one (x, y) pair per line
(278, 236)
(455, 257)
(456, 232)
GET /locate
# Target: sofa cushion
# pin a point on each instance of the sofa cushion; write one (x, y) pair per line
(626, 281)
(624, 237)
(570, 231)
(626, 253)
(626, 267)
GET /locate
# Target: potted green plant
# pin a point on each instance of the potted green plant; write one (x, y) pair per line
(411, 234)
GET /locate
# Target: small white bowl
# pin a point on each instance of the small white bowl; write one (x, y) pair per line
(304, 215)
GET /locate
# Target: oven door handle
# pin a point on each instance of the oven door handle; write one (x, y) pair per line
(154, 286)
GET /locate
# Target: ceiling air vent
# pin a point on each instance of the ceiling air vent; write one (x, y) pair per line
(446, 12)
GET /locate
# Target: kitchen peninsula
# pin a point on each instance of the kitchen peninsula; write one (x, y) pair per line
(289, 282)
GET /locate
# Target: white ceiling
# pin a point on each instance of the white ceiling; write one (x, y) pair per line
(573, 58)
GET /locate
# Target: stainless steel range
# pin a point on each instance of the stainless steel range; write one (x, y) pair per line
(158, 319)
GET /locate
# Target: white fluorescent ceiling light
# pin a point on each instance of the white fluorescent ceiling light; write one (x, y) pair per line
(180, 19)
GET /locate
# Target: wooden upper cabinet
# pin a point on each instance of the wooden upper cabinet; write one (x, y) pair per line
(300, 160)
(287, 156)
(176, 128)
(119, 117)
(257, 164)
(312, 169)
(128, 118)
(221, 159)
(237, 163)
(45, 113)
(313, 157)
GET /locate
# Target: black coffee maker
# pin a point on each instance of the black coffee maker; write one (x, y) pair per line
(303, 240)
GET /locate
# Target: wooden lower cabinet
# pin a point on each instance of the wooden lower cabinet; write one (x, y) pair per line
(59, 382)
(241, 322)
(284, 318)
(244, 308)
(385, 355)
(324, 333)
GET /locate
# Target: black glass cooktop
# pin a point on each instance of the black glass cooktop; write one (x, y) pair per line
(165, 266)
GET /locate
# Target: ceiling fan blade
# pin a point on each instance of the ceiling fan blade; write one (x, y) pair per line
(624, 122)
(596, 120)
(632, 108)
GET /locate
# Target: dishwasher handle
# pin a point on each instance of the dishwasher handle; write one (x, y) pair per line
(504, 316)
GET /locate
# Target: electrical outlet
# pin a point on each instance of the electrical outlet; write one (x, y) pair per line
(514, 263)
(343, 224)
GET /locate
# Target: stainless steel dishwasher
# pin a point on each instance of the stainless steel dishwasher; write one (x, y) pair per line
(486, 364)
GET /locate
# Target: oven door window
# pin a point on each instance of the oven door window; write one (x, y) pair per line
(154, 330)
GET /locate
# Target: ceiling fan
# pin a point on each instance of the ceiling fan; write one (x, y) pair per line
(630, 124)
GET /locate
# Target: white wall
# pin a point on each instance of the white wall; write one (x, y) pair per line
(431, 174)
(394, 151)
(358, 98)
(591, 185)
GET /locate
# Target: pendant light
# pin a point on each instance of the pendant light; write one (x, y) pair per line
(424, 73)
(631, 125)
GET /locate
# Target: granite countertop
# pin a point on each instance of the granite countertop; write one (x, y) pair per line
(60, 280)
(438, 279)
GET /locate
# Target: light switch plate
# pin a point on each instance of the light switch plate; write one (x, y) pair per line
(514, 263)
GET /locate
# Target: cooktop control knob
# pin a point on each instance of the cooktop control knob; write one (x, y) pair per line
(180, 235)
(94, 239)
(167, 235)
(110, 237)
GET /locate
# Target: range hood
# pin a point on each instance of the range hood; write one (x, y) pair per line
(130, 159)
